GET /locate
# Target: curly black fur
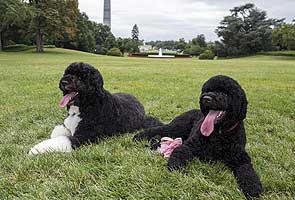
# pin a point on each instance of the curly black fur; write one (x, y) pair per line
(102, 113)
(227, 141)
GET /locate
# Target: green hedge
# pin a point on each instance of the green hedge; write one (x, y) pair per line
(207, 55)
(114, 52)
(278, 53)
(156, 53)
(18, 47)
(23, 47)
(194, 50)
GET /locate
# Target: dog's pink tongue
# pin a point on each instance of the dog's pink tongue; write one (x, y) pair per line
(207, 126)
(66, 99)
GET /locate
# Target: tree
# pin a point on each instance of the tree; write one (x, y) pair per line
(169, 44)
(246, 31)
(131, 46)
(90, 36)
(85, 37)
(110, 42)
(284, 36)
(180, 44)
(121, 44)
(194, 50)
(104, 38)
(135, 33)
(12, 13)
(52, 19)
(101, 32)
(69, 13)
(196, 46)
(200, 40)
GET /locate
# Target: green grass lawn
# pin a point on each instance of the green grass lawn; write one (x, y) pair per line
(278, 53)
(117, 168)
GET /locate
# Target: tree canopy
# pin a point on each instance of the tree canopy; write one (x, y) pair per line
(284, 37)
(199, 41)
(12, 12)
(135, 33)
(53, 19)
(246, 31)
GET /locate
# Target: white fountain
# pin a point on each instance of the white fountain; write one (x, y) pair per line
(160, 55)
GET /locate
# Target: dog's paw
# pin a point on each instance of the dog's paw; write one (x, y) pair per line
(60, 130)
(176, 163)
(58, 144)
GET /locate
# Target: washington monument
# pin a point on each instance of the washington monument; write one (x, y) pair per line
(107, 13)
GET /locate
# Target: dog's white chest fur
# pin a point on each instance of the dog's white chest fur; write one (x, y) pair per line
(72, 121)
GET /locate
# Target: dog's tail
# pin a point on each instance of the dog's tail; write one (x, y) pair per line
(150, 122)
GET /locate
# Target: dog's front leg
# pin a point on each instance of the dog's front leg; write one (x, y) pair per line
(185, 153)
(248, 180)
(57, 144)
(86, 134)
(245, 174)
(179, 158)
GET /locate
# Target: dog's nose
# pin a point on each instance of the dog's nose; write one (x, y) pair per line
(64, 82)
(207, 98)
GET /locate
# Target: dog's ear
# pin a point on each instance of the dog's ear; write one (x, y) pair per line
(239, 99)
(96, 81)
(239, 102)
(243, 106)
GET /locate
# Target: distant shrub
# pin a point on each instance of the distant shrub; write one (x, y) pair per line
(194, 50)
(187, 51)
(10, 43)
(23, 47)
(145, 54)
(100, 49)
(18, 47)
(49, 46)
(207, 55)
(278, 53)
(114, 52)
(183, 56)
(220, 50)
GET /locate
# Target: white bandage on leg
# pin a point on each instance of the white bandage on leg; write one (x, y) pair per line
(57, 144)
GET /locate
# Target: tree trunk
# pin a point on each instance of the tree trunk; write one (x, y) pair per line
(39, 41)
(1, 44)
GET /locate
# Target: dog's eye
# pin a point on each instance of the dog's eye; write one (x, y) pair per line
(223, 93)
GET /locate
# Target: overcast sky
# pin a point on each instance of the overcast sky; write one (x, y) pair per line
(174, 19)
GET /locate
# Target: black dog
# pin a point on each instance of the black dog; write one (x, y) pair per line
(214, 133)
(93, 111)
